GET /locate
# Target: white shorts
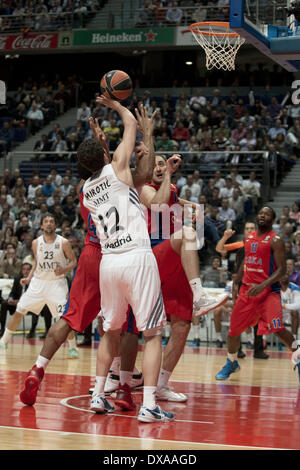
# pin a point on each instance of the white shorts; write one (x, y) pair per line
(131, 279)
(40, 292)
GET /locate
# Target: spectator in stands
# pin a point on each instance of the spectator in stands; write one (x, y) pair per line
(10, 265)
(237, 202)
(72, 145)
(145, 15)
(192, 186)
(291, 271)
(197, 101)
(35, 119)
(65, 187)
(164, 143)
(226, 214)
(274, 108)
(227, 190)
(219, 181)
(26, 249)
(215, 275)
(55, 198)
(57, 210)
(238, 134)
(69, 208)
(48, 109)
(62, 99)
(236, 177)
(174, 14)
(19, 116)
(181, 135)
(288, 251)
(214, 219)
(296, 242)
(83, 114)
(35, 184)
(295, 212)
(199, 14)
(73, 179)
(48, 187)
(6, 138)
(252, 187)
(56, 178)
(19, 189)
(248, 142)
(4, 192)
(23, 227)
(113, 134)
(59, 146)
(276, 130)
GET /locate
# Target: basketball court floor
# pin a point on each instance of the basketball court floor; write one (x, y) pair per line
(257, 408)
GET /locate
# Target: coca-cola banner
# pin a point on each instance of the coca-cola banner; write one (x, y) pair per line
(16, 42)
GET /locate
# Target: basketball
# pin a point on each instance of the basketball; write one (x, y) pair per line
(116, 85)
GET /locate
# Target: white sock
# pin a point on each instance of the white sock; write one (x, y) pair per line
(232, 357)
(250, 337)
(72, 343)
(42, 362)
(219, 336)
(149, 397)
(163, 378)
(125, 377)
(99, 386)
(115, 365)
(195, 331)
(7, 335)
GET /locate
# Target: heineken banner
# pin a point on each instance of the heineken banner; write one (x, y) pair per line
(124, 37)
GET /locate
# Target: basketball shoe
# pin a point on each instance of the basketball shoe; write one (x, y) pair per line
(156, 415)
(229, 368)
(32, 384)
(73, 353)
(124, 399)
(205, 303)
(100, 404)
(167, 394)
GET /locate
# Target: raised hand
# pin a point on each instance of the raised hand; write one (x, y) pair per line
(173, 163)
(145, 123)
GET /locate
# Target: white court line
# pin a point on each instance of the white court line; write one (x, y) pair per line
(64, 433)
(64, 402)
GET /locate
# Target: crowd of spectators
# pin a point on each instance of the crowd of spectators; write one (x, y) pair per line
(33, 106)
(176, 13)
(45, 15)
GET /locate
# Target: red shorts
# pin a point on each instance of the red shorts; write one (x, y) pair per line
(83, 304)
(176, 290)
(264, 309)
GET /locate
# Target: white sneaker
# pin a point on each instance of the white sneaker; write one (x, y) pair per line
(166, 394)
(100, 404)
(156, 415)
(207, 303)
(137, 381)
(112, 382)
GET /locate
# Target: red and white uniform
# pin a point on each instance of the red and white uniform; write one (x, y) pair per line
(83, 304)
(264, 309)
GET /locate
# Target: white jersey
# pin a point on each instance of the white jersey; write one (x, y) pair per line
(291, 299)
(49, 256)
(116, 212)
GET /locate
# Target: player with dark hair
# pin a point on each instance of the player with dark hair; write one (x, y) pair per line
(53, 258)
(259, 299)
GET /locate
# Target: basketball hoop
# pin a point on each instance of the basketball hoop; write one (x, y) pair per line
(219, 42)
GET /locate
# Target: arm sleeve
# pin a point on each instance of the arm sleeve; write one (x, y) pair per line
(234, 246)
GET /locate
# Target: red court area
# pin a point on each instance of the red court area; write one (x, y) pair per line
(215, 414)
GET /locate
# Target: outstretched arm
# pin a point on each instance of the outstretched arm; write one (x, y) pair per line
(123, 152)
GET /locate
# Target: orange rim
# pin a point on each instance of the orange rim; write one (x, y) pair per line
(220, 24)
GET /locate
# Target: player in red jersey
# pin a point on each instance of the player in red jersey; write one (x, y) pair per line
(84, 300)
(259, 298)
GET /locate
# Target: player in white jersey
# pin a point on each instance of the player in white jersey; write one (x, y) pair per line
(128, 269)
(290, 299)
(53, 258)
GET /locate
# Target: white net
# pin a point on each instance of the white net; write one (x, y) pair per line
(219, 43)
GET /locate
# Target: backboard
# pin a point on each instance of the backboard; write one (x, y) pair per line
(271, 26)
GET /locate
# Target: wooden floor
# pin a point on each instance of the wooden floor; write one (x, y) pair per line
(257, 408)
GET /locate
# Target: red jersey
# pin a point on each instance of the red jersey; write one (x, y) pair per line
(161, 224)
(91, 236)
(259, 262)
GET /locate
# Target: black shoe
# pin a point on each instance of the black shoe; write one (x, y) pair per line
(31, 334)
(219, 343)
(241, 354)
(260, 355)
(85, 342)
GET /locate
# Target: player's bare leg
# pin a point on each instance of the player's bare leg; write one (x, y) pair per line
(107, 350)
(184, 243)
(171, 356)
(56, 336)
(11, 329)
